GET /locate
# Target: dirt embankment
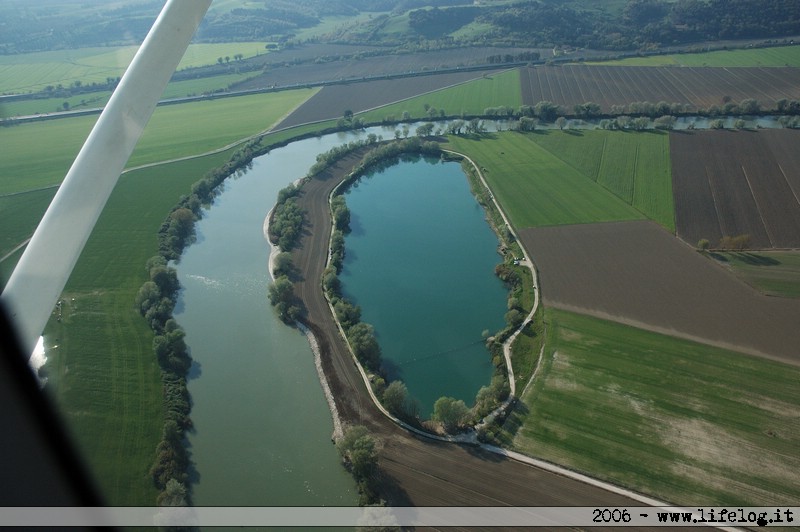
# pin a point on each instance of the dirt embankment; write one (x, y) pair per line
(415, 471)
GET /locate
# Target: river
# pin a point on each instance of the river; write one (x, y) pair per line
(263, 430)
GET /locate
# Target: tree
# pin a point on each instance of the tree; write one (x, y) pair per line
(425, 130)
(450, 412)
(561, 122)
(665, 122)
(174, 494)
(365, 346)
(282, 264)
(546, 111)
(395, 397)
(357, 449)
(527, 124)
(703, 244)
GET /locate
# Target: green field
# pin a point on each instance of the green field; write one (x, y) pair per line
(685, 422)
(103, 374)
(535, 187)
(780, 56)
(470, 98)
(38, 154)
(176, 89)
(634, 166)
(775, 273)
(22, 73)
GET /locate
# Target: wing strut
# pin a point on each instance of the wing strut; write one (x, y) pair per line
(45, 266)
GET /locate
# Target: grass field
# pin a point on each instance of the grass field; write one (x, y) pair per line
(634, 166)
(688, 423)
(33, 72)
(103, 374)
(537, 188)
(17, 213)
(176, 89)
(775, 273)
(779, 56)
(470, 98)
(38, 154)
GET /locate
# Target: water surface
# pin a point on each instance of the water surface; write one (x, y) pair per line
(420, 262)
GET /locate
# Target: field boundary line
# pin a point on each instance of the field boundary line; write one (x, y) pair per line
(758, 208)
(789, 184)
(714, 200)
(17, 248)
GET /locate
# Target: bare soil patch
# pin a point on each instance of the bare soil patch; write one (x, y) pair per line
(729, 183)
(637, 273)
(415, 471)
(700, 87)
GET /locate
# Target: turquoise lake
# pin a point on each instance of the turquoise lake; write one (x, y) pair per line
(419, 261)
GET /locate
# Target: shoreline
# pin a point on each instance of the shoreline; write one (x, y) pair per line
(338, 430)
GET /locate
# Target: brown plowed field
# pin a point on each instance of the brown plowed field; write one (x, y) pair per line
(333, 100)
(416, 471)
(729, 183)
(700, 87)
(637, 273)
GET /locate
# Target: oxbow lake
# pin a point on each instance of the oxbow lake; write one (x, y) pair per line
(419, 261)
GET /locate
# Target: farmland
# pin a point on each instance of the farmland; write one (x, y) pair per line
(173, 132)
(699, 88)
(332, 100)
(471, 98)
(635, 167)
(778, 56)
(637, 273)
(737, 183)
(175, 89)
(32, 72)
(537, 188)
(599, 405)
(692, 424)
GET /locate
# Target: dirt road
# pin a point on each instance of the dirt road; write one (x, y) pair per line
(415, 470)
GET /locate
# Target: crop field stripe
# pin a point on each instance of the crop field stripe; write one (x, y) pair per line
(669, 417)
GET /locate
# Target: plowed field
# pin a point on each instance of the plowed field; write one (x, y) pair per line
(700, 87)
(637, 273)
(733, 183)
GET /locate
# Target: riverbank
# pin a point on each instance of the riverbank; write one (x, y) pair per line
(338, 430)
